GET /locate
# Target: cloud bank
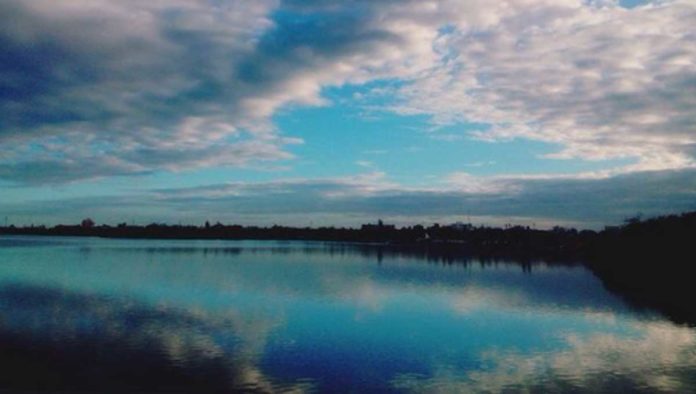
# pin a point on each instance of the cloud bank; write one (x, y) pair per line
(590, 202)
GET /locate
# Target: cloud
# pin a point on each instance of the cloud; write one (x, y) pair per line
(127, 87)
(138, 87)
(585, 201)
(600, 80)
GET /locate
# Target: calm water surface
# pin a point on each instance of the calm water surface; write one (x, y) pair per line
(122, 315)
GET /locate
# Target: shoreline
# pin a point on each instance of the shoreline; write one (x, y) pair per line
(648, 263)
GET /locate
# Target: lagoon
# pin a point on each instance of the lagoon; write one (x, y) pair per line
(264, 316)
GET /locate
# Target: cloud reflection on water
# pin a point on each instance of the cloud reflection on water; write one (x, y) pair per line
(192, 349)
(298, 317)
(659, 359)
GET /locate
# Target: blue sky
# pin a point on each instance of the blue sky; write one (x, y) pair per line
(331, 112)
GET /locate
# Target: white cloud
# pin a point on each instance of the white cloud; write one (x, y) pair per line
(600, 80)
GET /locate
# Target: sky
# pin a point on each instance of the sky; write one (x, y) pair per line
(324, 112)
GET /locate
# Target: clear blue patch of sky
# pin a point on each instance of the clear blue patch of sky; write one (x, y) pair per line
(633, 3)
(340, 137)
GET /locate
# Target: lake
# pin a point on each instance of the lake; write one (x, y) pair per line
(218, 316)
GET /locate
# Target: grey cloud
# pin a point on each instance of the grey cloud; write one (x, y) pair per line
(583, 202)
(131, 80)
(140, 81)
(607, 200)
(60, 171)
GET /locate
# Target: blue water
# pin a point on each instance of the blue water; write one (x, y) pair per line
(194, 316)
